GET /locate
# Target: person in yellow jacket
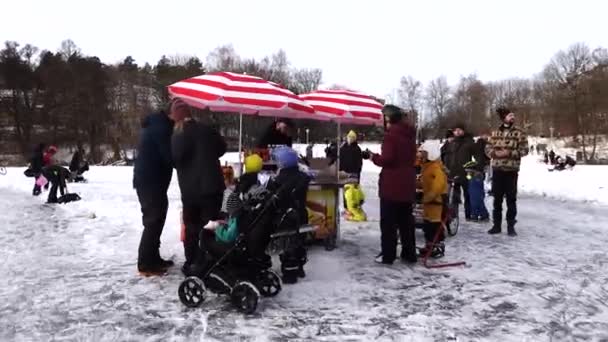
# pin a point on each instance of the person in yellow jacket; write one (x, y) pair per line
(354, 198)
(434, 184)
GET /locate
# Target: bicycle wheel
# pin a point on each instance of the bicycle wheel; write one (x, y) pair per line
(453, 221)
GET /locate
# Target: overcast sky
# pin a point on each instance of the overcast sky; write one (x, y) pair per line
(365, 45)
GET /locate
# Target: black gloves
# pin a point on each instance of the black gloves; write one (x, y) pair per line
(367, 154)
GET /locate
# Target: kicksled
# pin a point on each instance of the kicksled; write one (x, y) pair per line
(427, 254)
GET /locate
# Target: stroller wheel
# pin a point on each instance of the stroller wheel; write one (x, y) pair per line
(245, 297)
(269, 283)
(191, 292)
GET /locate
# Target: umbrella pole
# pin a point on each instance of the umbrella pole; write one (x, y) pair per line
(240, 143)
(338, 161)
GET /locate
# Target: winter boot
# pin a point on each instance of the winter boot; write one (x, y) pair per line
(496, 229)
(151, 270)
(511, 228)
(437, 250)
(290, 267)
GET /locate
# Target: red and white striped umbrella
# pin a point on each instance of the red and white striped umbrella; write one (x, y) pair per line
(238, 93)
(345, 106)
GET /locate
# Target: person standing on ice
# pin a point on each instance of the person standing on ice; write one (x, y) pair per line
(449, 136)
(507, 145)
(351, 160)
(36, 165)
(152, 174)
(277, 134)
(396, 186)
(196, 150)
(461, 151)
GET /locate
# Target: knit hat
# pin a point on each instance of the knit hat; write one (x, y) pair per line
(253, 164)
(393, 113)
(502, 112)
(459, 125)
(285, 157)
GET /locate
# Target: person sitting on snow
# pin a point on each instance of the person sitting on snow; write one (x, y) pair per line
(434, 184)
(562, 164)
(353, 199)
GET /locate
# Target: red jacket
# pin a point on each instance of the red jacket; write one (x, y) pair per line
(398, 176)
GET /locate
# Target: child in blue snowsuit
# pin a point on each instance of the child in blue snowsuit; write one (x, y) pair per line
(475, 176)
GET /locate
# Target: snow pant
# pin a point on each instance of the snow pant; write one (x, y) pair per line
(154, 205)
(461, 187)
(477, 196)
(431, 229)
(397, 216)
(56, 177)
(37, 190)
(196, 216)
(504, 184)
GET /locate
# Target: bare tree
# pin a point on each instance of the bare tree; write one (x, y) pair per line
(438, 98)
(306, 80)
(223, 58)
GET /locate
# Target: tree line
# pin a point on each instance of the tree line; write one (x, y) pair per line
(569, 97)
(71, 99)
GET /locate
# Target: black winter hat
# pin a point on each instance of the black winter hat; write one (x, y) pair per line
(460, 125)
(502, 112)
(394, 113)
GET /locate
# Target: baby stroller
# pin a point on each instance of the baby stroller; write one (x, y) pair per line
(242, 270)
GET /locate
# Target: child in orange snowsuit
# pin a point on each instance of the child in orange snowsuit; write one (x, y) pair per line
(434, 184)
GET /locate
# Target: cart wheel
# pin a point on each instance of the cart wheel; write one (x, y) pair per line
(269, 283)
(454, 221)
(191, 292)
(245, 297)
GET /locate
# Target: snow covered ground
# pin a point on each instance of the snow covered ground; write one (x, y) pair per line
(69, 274)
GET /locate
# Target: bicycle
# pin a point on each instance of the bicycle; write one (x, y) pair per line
(452, 219)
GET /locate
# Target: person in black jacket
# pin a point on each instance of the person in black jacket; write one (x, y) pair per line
(461, 151)
(196, 150)
(351, 159)
(277, 134)
(151, 177)
(36, 164)
(449, 135)
(78, 166)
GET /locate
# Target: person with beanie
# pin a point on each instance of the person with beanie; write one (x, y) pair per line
(506, 146)
(290, 187)
(196, 149)
(434, 184)
(396, 186)
(152, 174)
(475, 177)
(351, 160)
(253, 166)
(460, 151)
